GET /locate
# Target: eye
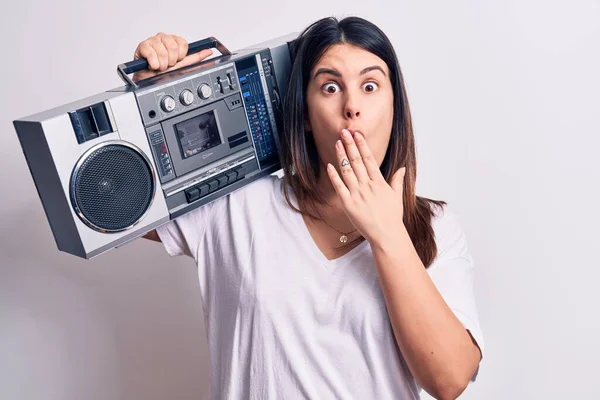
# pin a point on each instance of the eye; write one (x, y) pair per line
(370, 87)
(331, 87)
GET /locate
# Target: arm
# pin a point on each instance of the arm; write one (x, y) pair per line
(164, 52)
(438, 350)
(152, 235)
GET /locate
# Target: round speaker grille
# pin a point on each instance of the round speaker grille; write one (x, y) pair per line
(112, 187)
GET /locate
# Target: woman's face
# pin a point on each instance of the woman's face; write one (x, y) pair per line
(349, 88)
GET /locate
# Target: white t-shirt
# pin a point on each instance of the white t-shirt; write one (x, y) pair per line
(282, 321)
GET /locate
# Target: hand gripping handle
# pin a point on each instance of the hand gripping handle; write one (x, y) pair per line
(141, 63)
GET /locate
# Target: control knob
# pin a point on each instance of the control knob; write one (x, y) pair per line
(204, 91)
(186, 97)
(167, 103)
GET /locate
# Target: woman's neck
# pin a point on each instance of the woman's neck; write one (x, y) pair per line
(333, 212)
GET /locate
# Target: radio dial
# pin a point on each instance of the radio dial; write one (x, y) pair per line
(186, 97)
(167, 104)
(204, 91)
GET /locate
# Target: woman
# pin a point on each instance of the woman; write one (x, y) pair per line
(336, 281)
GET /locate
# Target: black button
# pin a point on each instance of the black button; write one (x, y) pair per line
(222, 180)
(213, 185)
(204, 189)
(192, 194)
(240, 171)
(232, 175)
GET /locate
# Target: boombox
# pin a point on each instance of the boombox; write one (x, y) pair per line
(111, 167)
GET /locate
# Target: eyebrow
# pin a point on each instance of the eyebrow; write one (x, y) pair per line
(336, 73)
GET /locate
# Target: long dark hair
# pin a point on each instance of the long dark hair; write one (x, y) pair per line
(299, 157)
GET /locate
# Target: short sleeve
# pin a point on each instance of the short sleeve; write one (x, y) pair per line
(183, 235)
(453, 274)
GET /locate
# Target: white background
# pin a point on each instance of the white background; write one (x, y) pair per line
(505, 98)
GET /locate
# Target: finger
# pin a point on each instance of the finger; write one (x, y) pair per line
(183, 47)
(140, 75)
(338, 184)
(397, 182)
(194, 58)
(354, 157)
(368, 159)
(145, 50)
(161, 51)
(172, 49)
(348, 175)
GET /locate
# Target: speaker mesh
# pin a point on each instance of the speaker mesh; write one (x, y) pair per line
(113, 187)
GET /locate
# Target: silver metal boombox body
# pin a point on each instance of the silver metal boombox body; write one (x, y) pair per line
(111, 167)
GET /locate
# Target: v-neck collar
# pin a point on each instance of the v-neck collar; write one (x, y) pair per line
(309, 243)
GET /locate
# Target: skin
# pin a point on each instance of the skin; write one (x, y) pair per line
(438, 350)
(349, 89)
(165, 52)
(350, 110)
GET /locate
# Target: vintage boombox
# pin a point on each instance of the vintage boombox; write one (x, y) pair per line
(111, 167)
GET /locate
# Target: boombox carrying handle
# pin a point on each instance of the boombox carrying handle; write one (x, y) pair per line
(141, 63)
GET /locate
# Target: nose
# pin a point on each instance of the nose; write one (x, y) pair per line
(352, 113)
(351, 107)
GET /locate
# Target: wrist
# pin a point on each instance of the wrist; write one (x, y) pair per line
(392, 242)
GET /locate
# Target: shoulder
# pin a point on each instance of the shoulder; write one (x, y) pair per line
(261, 191)
(243, 207)
(254, 195)
(251, 201)
(449, 234)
